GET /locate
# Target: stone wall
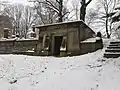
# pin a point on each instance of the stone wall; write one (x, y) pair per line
(87, 47)
(85, 32)
(30, 47)
(17, 46)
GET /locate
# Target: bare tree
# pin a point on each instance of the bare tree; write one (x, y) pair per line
(22, 18)
(107, 7)
(92, 16)
(83, 7)
(46, 15)
(2, 5)
(56, 7)
(29, 17)
(15, 13)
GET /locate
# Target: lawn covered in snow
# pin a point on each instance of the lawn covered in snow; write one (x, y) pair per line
(86, 72)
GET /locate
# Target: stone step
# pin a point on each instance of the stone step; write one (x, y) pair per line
(112, 50)
(116, 42)
(113, 47)
(112, 55)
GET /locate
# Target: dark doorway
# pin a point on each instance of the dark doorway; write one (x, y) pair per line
(57, 45)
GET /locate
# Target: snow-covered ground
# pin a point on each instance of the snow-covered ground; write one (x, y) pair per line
(87, 72)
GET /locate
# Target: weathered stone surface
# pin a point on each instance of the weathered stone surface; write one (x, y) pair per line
(75, 32)
(17, 46)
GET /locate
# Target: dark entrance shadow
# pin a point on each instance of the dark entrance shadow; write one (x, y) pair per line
(57, 45)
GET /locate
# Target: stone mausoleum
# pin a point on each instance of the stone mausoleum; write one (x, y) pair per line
(67, 38)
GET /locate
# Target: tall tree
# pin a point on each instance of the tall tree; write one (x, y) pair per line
(15, 12)
(83, 7)
(60, 15)
(22, 18)
(29, 17)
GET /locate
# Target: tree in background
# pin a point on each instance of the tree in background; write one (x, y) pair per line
(55, 10)
(22, 18)
(107, 7)
(46, 15)
(28, 19)
(92, 16)
(75, 9)
(115, 19)
(51, 11)
(15, 13)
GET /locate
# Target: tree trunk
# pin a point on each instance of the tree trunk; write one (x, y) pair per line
(108, 35)
(60, 11)
(82, 10)
(110, 28)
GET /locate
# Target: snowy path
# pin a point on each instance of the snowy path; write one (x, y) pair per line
(86, 72)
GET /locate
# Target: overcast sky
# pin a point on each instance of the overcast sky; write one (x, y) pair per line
(25, 2)
(17, 1)
(20, 1)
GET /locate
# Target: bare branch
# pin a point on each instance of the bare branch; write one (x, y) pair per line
(65, 14)
(51, 4)
(88, 2)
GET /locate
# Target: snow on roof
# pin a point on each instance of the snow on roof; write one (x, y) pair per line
(46, 25)
(90, 40)
(60, 23)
